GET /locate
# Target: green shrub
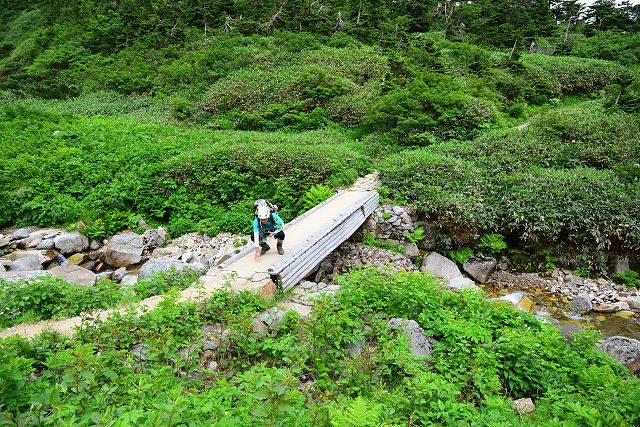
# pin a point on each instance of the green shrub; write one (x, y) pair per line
(314, 196)
(629, 278)
(555, 75)
(459, 256)
(493, 243)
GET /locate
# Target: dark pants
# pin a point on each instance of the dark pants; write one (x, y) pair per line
(279, 235)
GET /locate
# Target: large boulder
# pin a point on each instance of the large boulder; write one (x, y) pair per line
(161, 265)
(27, 263)
(440, 266)
(460, 283)
(581, 304)
(71, 243)
(21, 233)
(421, 345)
(480, 268)
(124, 250)
(75, 274)
(624, 350)
(634, 302)
(154, 238)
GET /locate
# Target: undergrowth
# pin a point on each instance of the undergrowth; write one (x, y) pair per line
(152, 369)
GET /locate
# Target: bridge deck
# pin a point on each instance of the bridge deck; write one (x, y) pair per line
(309, 238)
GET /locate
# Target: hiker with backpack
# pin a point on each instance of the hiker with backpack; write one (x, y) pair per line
(266, 223)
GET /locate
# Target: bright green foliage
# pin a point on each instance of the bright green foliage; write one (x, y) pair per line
(459, 256)
(561, 179)
(492, 243)
(301, 374)
(60, 169)
(315, 195)
(630, 278)
(417, 235)
(45, 297)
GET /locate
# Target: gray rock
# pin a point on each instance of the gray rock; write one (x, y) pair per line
(213, 336)
(224, 254)
(154, 238)
(189, 352)
(634, 302)
(186, 257)
(460, 283)
(581, 304)
(621, 305)
(140, 352)
(75, 274)
(169, 251)
(29, 242)
(119, 274)
(620, 264)
(160, 265)
(94, 244)
(429, 241)
(71, 243)
(523, 406)
(421, 345)
(272, 318)
(504, 264)
(4, 241)
(398, 210)
(355, 348)
(129, 280)
(27, 263)
(439, 266)
(406, 218)
(480, 268)
(411, 249)
(89, 265)
(46, 244)
(2, 269)
(124, 250)
(258, 327)
(21, 233)
(624, 350)
(50, 234)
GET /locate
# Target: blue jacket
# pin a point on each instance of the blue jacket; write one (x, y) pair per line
(274, 222)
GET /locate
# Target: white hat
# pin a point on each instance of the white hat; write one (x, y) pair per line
(263, 212)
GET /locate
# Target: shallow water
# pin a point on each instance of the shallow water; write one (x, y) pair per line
(553, 309)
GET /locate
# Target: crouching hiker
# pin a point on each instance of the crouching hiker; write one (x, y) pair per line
(266, 223)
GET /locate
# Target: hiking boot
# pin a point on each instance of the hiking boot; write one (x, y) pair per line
(280, 250)
(264, 249)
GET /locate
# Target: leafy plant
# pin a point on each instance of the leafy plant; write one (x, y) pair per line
(459, 256)
(629, 278)
(493, 243)
(417, 235)
(314, 196)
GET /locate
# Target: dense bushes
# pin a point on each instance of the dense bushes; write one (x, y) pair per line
(148, 368)
(59, 169)
(562, 179)
(555, 76)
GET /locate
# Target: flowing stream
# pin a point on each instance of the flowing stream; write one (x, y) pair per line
(555, 310)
